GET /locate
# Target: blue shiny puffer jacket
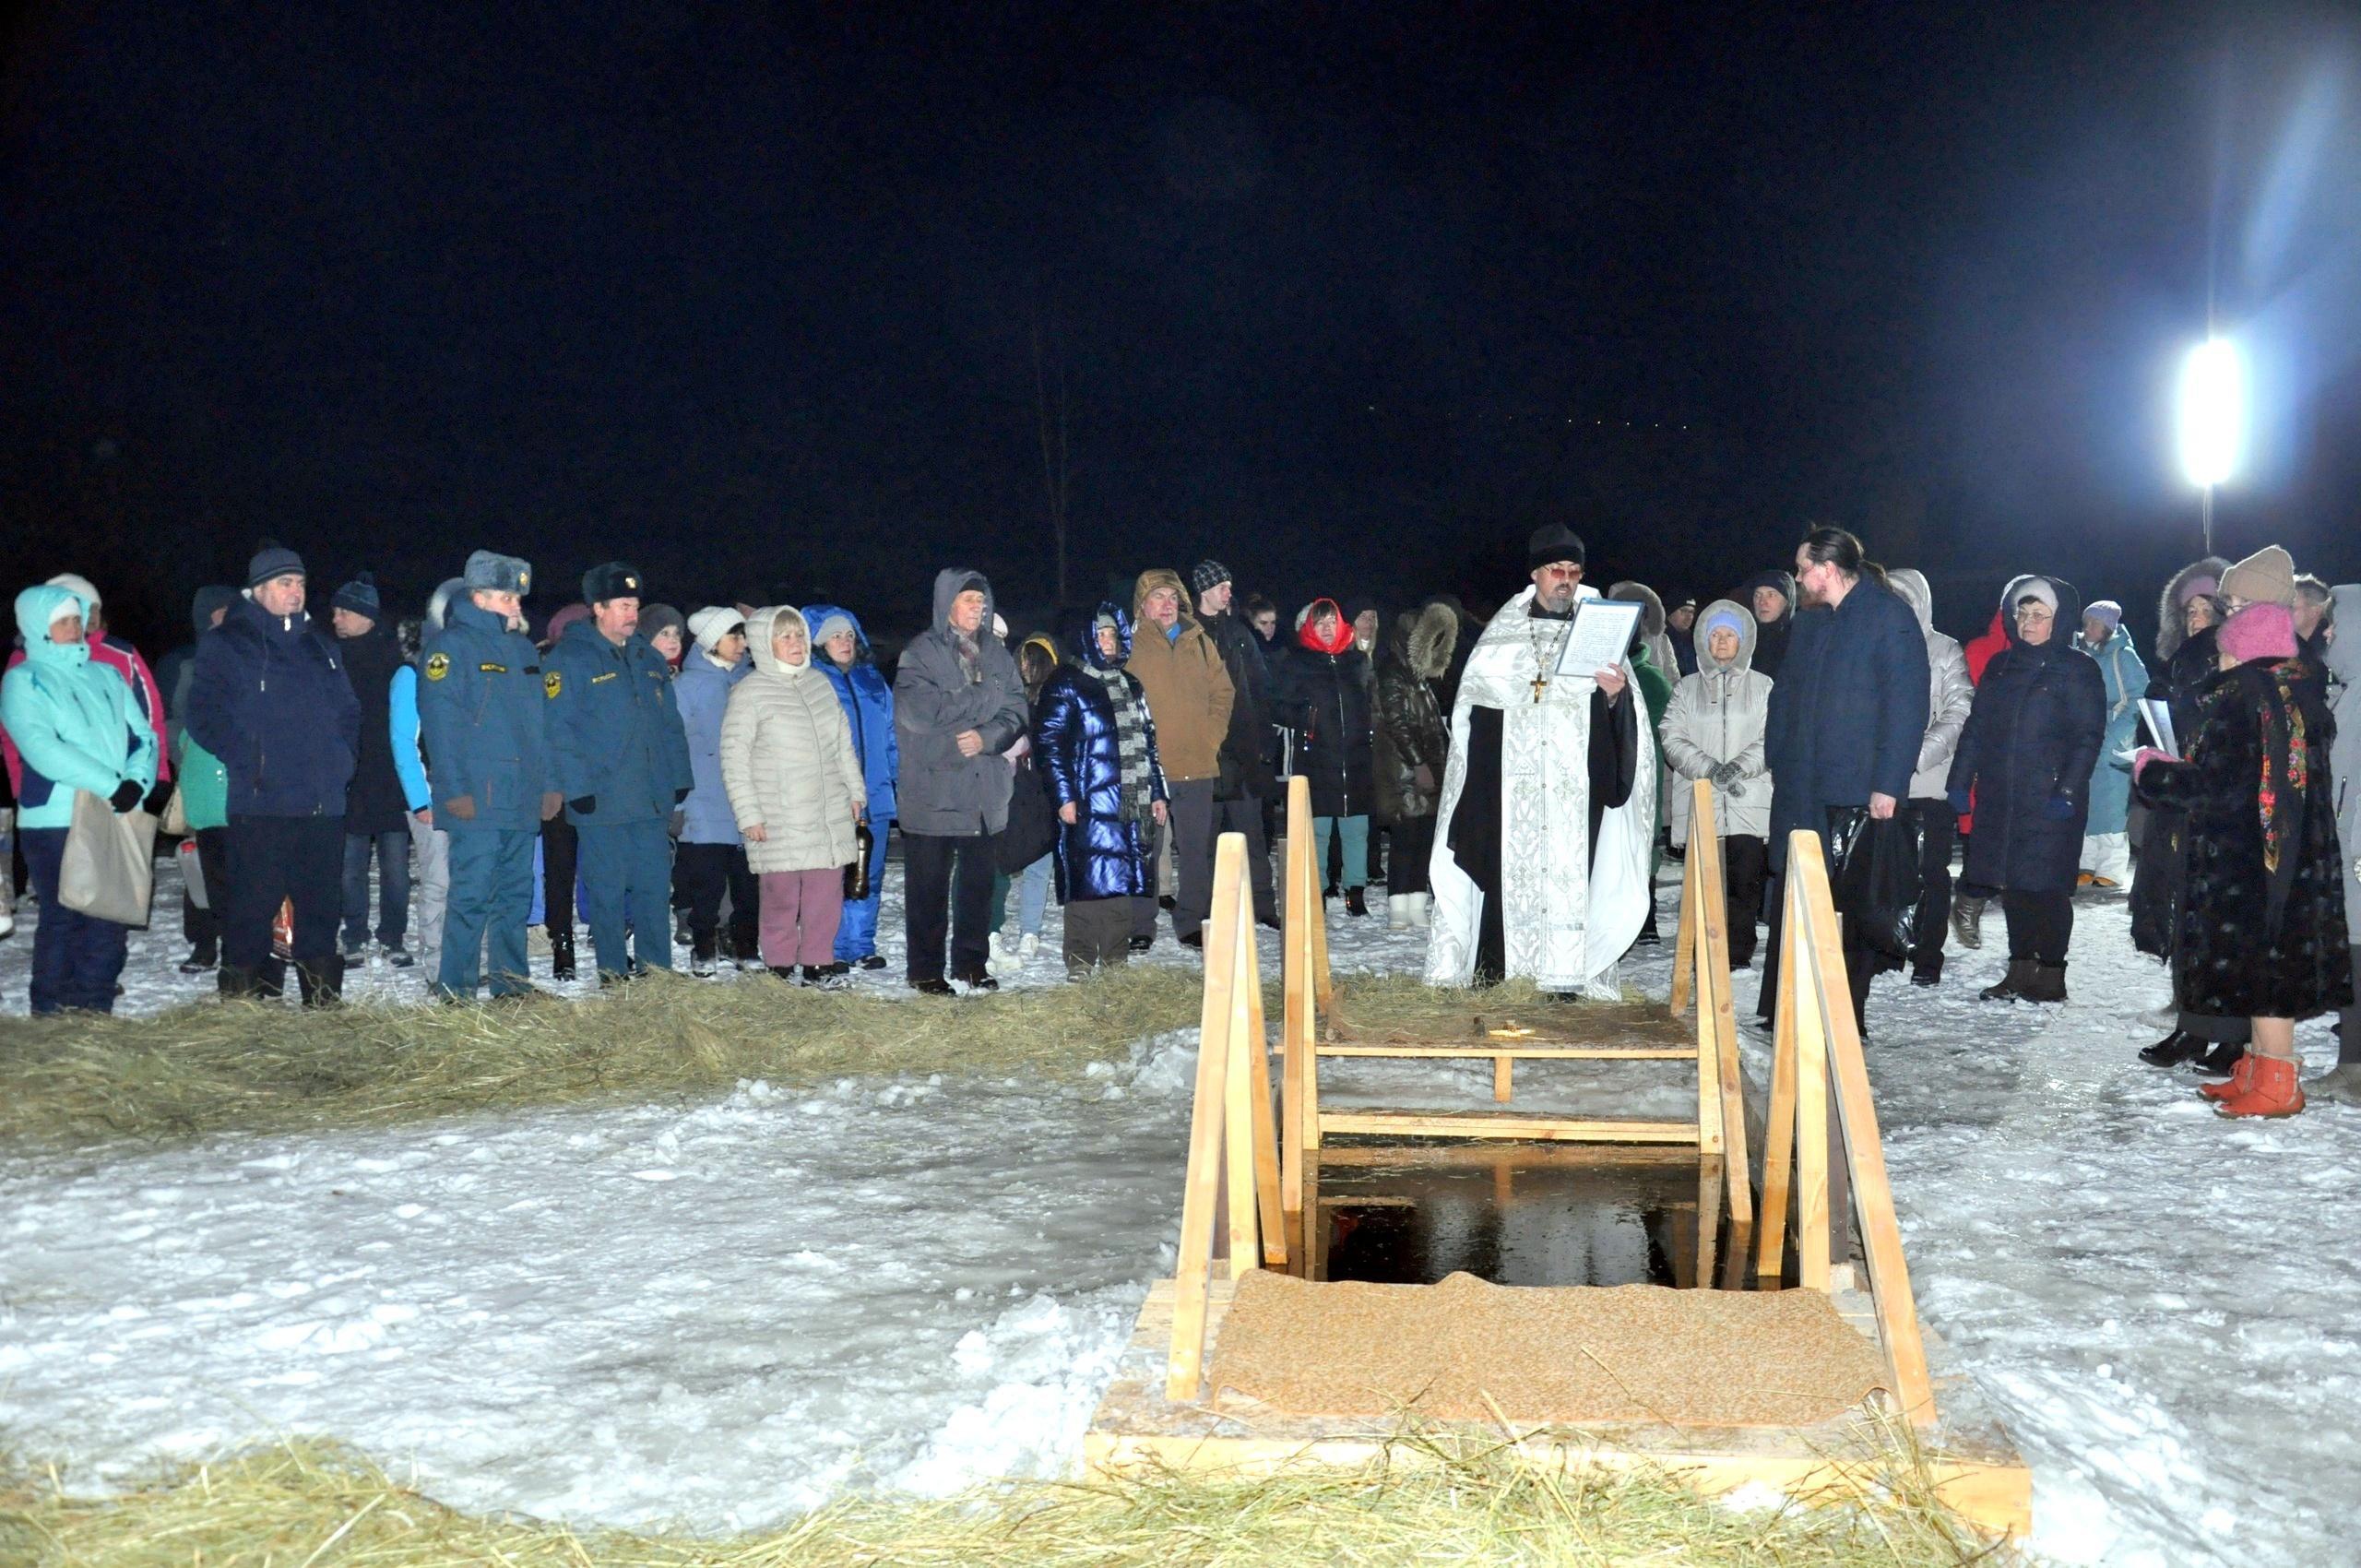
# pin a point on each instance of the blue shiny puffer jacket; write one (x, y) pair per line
(1099, 856)
(867, 699)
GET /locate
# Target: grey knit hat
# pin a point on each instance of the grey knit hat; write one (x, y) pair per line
(272, 558)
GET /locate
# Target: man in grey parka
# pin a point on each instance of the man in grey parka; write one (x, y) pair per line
(2342, 654)
(958, 704)
(1950, 694)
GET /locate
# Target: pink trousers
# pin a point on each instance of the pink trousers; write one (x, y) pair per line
(801, 909)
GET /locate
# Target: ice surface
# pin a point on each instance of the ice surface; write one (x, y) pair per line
(721, 1314)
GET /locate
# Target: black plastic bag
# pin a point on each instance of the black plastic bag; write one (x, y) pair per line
(1873, 877)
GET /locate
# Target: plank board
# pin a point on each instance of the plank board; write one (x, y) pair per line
(1490, 1124)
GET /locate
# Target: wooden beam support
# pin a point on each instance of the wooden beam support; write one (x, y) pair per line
(1864, 1148)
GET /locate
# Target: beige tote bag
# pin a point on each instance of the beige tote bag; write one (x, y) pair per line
(109, 870)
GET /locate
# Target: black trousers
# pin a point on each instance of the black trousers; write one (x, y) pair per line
(1938, 826)
(1745, 861)
(1244, 813)
(560, 850)
(701, 873)
(1858, 959)
(299, 859)
(948, 891)
(201, 924)
(1405, 866)
(2040, 925)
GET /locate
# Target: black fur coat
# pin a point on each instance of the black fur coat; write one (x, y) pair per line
(2260, 926)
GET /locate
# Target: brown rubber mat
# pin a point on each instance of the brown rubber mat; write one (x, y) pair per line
(1555, 1355)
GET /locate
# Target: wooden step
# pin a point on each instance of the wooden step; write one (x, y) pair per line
(1543, 1052)
(1490, 1124)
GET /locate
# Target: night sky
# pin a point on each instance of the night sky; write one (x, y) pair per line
(1351, 296)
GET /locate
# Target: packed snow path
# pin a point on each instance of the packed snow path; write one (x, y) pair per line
(719, 1313)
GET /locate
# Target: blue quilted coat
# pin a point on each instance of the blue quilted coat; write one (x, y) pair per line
(1100, 855)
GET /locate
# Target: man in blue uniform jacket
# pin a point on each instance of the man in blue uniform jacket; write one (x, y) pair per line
(621, 761)
(481, 702)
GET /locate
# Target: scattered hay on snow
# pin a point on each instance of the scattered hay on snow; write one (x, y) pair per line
(316, 1504)
(215, 1066)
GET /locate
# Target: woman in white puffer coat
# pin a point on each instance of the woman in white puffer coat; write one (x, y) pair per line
(1714, 730)
(795, 786)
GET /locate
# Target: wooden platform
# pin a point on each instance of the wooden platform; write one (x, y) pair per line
(1968, 1458)
(1253, 1178)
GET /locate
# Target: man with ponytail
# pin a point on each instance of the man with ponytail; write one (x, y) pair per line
(1846, 716)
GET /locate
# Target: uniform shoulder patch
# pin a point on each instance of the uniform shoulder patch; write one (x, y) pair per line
(437, 666)
(551, 683)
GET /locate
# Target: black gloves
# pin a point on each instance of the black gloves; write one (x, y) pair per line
(126, 795)
(679, 795)
(584, 805)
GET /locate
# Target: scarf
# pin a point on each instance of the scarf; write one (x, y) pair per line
(971, 656)
(2281, 790)
(1138, 792)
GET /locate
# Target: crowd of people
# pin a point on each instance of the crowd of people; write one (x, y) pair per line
(728, 782)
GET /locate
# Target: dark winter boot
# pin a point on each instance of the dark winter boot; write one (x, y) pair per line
(322, 984)
(1648, 936)
(2173, 1049)
(237, 984)
(2219, 1061)
(561, 954)
(785, 973)
(704, 954)
(826, 977)
(1967, 922)
(2047, 984)
(1926, 972)
(2012, 985)
(1356, 901)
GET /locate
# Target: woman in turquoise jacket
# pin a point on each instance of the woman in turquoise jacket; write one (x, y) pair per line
(79, 730)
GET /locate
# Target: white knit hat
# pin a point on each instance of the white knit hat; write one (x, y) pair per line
(712, 624)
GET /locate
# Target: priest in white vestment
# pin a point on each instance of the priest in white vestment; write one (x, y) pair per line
(1541, 850)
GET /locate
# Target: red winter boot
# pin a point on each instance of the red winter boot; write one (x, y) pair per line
(2240, 1080)
(2273, 1092)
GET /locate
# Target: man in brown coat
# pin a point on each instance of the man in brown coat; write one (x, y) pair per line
(1189, 697)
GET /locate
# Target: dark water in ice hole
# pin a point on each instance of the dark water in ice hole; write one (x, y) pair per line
(1516, 1217)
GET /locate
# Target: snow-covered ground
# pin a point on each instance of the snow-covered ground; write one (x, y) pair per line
(718, 1314)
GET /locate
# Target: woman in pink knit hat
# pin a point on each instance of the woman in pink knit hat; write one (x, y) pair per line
(2262, 930)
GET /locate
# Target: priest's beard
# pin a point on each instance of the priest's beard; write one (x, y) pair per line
(1553, 599)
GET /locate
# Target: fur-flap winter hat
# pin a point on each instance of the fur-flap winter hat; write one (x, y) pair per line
(1206, 576)
(715, 622)
(1552, 544)
(495, 573)
(2267, 577)
(359, 596)
(616, 579)
(272, 558)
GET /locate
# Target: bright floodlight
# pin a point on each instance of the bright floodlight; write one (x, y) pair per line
(2213, 412)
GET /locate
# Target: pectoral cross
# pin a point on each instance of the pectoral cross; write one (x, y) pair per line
(1538, 682)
